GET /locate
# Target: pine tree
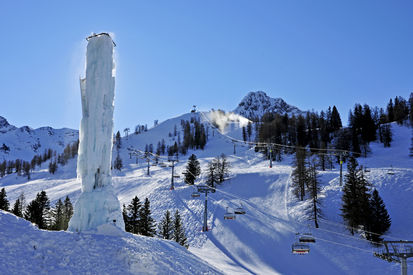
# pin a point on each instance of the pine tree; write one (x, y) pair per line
(118, 141)
(4, 203)
(179, 231)
(146, 222)
(19, 206)
(193, 170)
(222, 168)
(67, 212)
(165, 227)
(249, 130)
(299, 174)
(314, 190)
(133, 213)
(380, 220)
(335, 120)
(126, 219)
(411, 146)
(244, 134)
(52, 167)
(387, 135)
(355, 209)
(57, 216)
(390, 111)
(38, 209)
(212, 175)
(118, 165)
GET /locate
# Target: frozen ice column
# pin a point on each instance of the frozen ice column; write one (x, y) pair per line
(97, 204)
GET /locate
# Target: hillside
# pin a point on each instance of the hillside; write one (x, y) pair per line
(26, 249)
(25, 142)
(260, 241)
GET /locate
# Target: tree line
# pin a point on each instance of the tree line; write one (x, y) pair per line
(25, 168)
(39, 211)
(138, 220)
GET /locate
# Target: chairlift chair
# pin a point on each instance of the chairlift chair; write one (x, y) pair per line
(229, 215)
(300, 248)
(306, 238)
(162, 164)
(177, 176)
(196, 194)
(239, 210)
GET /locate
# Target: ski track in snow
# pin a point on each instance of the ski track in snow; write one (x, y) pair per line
(258, 242)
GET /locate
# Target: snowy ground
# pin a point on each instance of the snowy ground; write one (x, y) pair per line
(260, 241)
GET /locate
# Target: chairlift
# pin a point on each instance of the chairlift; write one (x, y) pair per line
(306, 238)
(195, 194)
(154, 164)
(177, 176)
(239, 210)
(229, 215)
(161, 164)
(300, 248)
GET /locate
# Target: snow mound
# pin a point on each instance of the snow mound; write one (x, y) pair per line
(28, 250)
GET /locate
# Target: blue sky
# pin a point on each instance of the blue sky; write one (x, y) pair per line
(174, 54)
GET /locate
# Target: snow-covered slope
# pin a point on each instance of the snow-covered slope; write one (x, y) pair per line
(25, 142)
(258, 242)
(255, 104)
(24, 249)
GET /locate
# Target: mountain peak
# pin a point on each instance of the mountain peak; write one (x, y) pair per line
(255, 104)
(5, 126)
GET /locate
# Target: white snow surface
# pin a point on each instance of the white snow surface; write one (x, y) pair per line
(24, 249)
(258, 242)
(97, 204)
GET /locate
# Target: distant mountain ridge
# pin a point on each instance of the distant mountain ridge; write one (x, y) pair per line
(255, 104)
(25, 142)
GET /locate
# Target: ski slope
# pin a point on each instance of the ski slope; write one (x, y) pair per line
(258, 242)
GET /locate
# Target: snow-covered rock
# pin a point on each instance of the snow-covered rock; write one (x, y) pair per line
(255, 104)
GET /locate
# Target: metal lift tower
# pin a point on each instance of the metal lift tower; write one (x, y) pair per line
(397, 251)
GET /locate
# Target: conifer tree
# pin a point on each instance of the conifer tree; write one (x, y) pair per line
(212, 176)
(193, 170)
(118, 165)
(126, 219)
(133, 213)
(57, 216)
(4, 203)
(38, 209)
(165, 227)
(314, 190)
(67, 212)
(249, 130)
(146, 222)
(178, 230)
(222, 168)
(386, 135)
(19, 206)
(335, 120)
(411, 146)
(355, 209)
(118, 141)
(380, 220)
(299, 174)
(244, 134)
